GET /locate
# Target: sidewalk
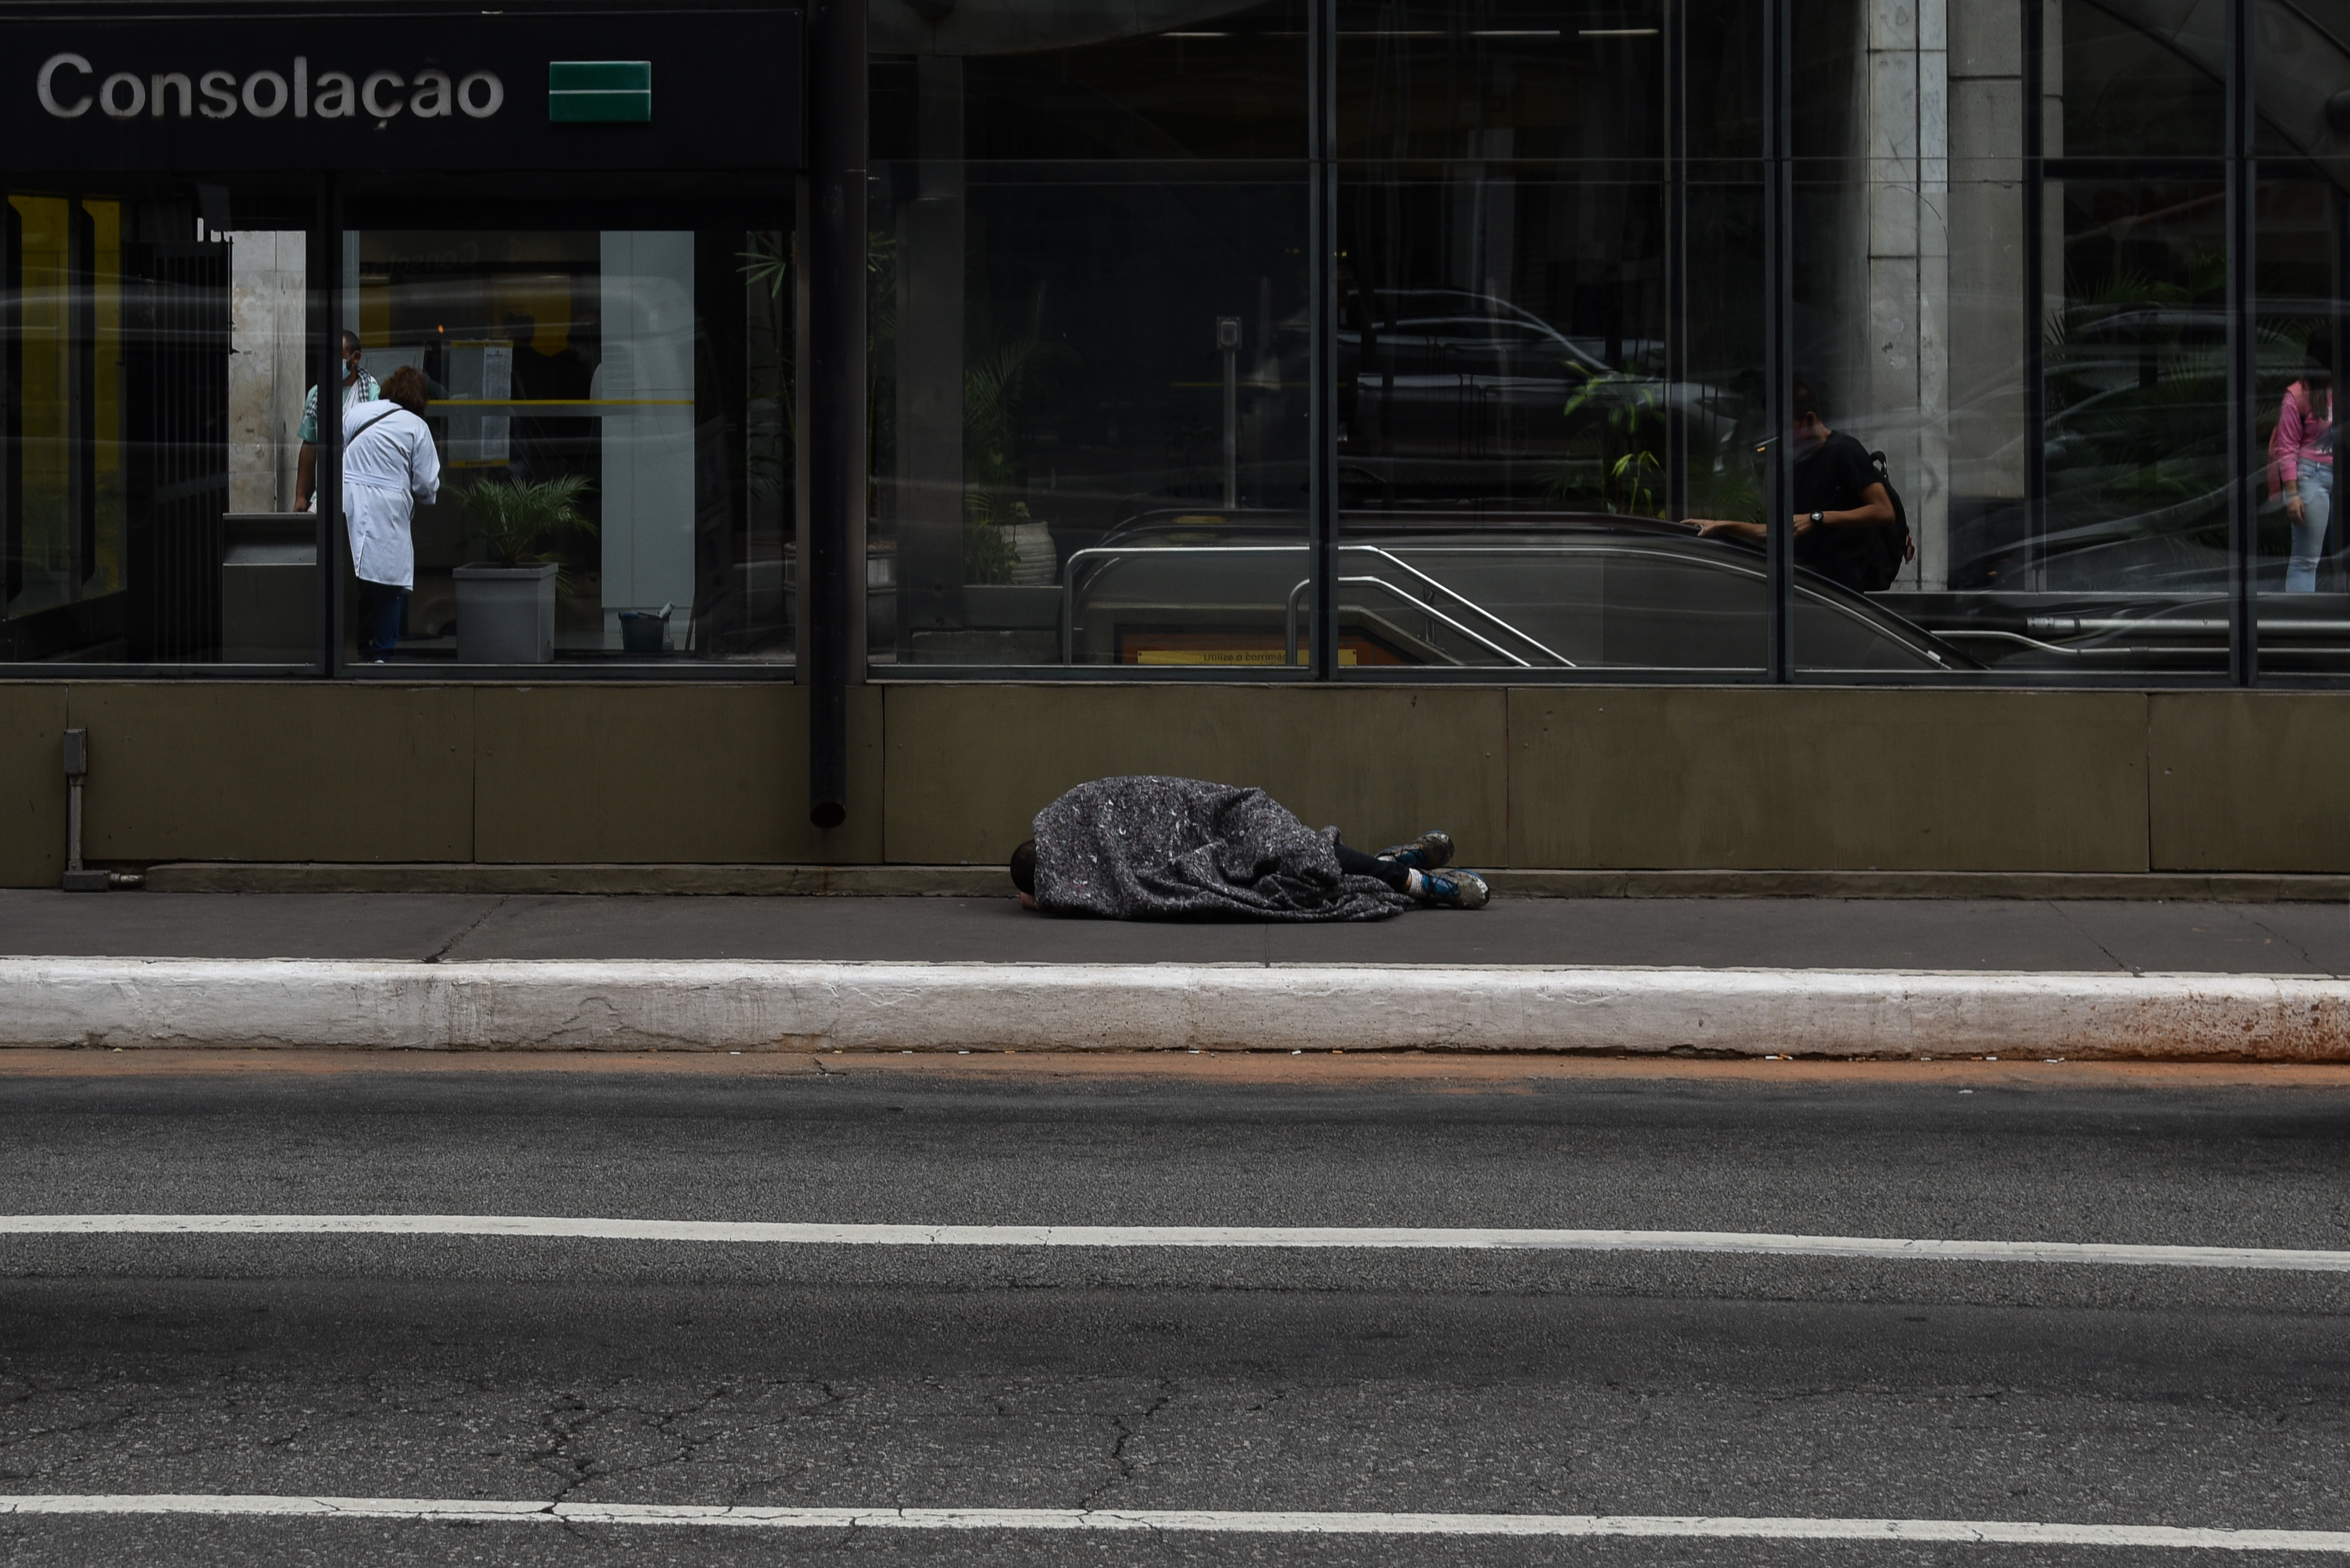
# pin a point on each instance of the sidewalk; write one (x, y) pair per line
(1831, 978)
(2083, 937)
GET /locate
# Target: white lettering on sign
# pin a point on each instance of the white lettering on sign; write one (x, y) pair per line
(433, 95)
(69, 84)
(367, 93)
(46, 86)
(493, 93)
(118, 106)
(338, 97)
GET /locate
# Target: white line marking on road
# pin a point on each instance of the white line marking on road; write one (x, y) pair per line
(1383, 1238)
(446, 1511)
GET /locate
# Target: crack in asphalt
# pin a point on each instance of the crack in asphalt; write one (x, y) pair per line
(1126, 1435)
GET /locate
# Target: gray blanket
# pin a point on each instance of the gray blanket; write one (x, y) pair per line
(1183, 849)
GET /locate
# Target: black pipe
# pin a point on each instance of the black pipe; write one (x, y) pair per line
(833, 400)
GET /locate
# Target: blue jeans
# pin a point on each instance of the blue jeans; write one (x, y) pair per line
(2315, 488)
(381, 609)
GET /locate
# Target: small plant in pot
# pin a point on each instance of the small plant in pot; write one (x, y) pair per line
(505, 605)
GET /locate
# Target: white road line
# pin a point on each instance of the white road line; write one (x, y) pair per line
(1384, 1238)
(443, 1511)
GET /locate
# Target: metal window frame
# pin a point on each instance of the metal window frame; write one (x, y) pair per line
(1322, 290)
(1778, 333)
(2244, 453)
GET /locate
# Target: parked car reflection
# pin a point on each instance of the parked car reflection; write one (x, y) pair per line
(1445, 394)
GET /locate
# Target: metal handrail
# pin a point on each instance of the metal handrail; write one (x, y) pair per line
(1117, 552)
(1394, 560)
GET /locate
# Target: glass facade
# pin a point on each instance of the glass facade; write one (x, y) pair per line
(638, 373)
(1960, 341)
(2045, 277)
(146, 461)
(608, 409)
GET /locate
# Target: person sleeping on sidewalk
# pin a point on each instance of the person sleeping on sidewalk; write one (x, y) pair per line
(1154, 849)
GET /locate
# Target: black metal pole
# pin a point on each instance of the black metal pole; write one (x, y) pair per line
(833, 400)
(2337, 320)
(1321, 286)
(2036, 294)
(325, 322)
(1778, 329)
(2244, 454)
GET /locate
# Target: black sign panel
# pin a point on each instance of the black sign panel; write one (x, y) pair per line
(682, 88)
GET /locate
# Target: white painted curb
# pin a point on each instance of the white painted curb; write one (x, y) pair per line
(638, 1005)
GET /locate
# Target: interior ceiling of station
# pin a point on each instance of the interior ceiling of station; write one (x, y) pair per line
(2299, 65)
(1022, 26)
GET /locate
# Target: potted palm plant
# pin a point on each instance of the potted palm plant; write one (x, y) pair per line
(505, 605)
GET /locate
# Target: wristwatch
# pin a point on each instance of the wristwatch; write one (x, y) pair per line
(1815, 519)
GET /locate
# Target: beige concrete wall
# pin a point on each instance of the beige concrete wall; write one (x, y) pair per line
(1616, 778)
(1759, 777)
(664, 773)
(969, 766)
(286, 771)
(2250, 781)
(32, 785)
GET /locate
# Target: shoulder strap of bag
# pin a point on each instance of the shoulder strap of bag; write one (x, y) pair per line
(350, 436)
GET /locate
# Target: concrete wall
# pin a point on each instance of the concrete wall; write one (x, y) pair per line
(1629, 778)
(266, 379)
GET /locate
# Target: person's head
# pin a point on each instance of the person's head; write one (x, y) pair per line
(1803, 413)
(407, 389)
(519, 328)
(1023, 867)
(2316, 370)
(351, 352)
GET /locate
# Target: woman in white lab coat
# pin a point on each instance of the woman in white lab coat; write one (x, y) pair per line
(388, 465)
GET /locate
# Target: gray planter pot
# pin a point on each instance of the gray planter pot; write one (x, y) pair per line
(506, 615)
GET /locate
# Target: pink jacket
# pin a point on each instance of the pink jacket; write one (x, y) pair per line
(2301, 436)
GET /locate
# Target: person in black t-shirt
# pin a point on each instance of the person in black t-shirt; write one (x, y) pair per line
(1840, 503)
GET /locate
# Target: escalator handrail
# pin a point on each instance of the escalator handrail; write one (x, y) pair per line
(1397, 561)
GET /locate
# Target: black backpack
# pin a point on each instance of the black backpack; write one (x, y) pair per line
(1892, 550)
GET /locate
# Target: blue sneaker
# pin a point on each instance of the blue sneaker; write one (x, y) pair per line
(1453, 890)
(1431, 851)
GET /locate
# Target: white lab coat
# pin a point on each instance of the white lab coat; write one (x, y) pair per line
(388, 468)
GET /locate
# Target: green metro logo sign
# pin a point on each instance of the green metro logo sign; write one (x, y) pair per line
(599, 92)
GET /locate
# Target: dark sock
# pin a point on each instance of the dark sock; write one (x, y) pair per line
(1355, 863)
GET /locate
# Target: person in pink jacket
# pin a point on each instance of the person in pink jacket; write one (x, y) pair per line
(2301, 454)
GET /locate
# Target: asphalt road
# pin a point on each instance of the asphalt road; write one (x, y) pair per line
(1157, 1377)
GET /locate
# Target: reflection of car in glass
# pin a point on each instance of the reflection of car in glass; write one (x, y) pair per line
(1446, 394)
(1554, 592)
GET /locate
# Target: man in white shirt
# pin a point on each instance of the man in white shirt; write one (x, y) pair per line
(359, 387)
(388, 465)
